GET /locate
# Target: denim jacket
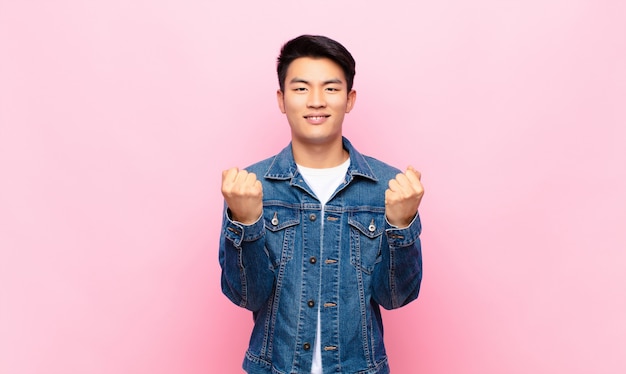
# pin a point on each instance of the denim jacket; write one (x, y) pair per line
(345, 259)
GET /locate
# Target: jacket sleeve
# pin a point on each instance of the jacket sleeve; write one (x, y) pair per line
(397, 278)
(247, 276)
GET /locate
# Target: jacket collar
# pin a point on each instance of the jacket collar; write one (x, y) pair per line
(284, 166)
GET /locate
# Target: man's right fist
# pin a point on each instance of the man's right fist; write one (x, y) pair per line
(243, 194)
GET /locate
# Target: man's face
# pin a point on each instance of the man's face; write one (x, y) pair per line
(315, 100)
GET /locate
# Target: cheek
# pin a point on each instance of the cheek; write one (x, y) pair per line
(293, 102)
(339, 104)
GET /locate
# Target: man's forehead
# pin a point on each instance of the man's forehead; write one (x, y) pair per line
(311, 69)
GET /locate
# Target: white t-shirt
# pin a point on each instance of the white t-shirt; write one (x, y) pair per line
(323, 182)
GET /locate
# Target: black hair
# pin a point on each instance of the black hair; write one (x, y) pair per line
(315, 46)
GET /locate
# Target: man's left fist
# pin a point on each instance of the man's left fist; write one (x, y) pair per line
(403, 197)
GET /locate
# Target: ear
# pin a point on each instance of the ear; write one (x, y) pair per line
(351, 101)
(280, 97)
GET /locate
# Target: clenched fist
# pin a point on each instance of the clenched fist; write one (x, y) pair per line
(403, 197)
(243, 194)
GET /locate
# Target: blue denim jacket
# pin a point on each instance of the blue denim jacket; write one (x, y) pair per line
(345, 259)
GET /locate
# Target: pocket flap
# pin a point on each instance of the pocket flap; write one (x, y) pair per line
(279, 217)
(368, 223)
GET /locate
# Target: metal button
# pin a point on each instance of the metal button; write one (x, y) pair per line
(310, 303)
(313, 260)
(312, 217)
(372, 226)
(306, 346)
(275, 219)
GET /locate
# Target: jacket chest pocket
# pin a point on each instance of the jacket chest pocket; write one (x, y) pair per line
(366, 229)
(280, 224)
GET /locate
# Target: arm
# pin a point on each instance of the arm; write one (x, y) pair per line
(247, 278)
(398, 276)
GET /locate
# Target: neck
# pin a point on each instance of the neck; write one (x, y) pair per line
(319, 155)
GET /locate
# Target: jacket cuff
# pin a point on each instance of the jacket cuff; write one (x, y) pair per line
(404, 237)
(238, 232)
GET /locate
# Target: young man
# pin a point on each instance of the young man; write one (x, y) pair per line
(319, 236)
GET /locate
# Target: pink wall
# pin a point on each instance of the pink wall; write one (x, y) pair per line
(117, 117)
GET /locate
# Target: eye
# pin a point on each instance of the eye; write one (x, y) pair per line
(332, 89)
(300, 89)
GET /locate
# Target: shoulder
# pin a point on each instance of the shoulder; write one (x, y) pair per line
(260, 167)
(380, 169)
(279, 166)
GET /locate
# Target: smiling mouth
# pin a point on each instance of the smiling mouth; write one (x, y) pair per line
(316, 118)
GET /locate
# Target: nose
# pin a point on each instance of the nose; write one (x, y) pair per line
(316, 99)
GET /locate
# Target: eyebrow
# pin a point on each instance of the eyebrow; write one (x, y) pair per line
(330, 81)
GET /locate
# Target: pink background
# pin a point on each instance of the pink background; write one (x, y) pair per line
(117, 117)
